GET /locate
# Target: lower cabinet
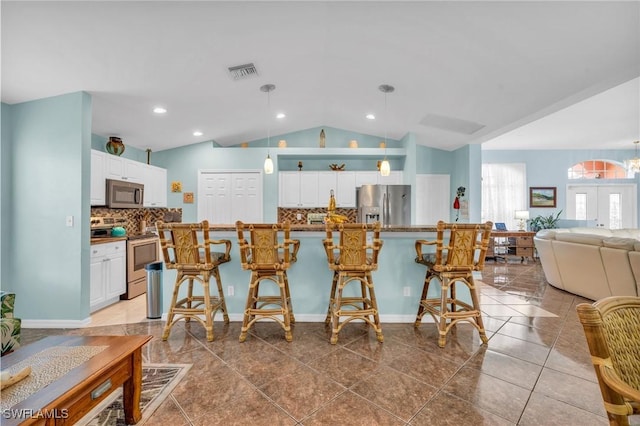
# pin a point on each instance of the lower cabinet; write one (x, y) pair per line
(108, 274)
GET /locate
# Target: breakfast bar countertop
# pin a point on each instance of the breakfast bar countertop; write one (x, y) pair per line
(321, 228)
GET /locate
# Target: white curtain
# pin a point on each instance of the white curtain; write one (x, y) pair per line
(504, 190)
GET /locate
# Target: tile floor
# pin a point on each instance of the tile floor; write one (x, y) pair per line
(536, 369)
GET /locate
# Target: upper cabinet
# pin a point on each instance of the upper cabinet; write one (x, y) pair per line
(343, 185)
(124, 169)
(155, 186)
(298, 189)
(98, 186)
(313, 189)
(375, 178)
(106, 166)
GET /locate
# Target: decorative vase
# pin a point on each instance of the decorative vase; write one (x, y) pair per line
(115, 146)
(322, 139)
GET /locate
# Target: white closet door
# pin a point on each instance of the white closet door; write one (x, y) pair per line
(432, 199)
(247, 201)
(224, 198)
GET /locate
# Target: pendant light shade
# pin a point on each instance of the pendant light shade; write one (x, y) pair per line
(268, 165)
(385, 167)
(268, 162)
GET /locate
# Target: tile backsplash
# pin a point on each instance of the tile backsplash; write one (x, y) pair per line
(291, 214)
(135, 216)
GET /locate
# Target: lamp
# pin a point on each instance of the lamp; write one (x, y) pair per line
(523, 216)
(634, 163)
(268, 162)
(385, 167)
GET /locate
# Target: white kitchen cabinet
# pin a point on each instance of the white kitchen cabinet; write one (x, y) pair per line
(375, 178)
(346, 189)
(108, 274)
(298, 189)
(343, 185)
(124, 169)
(366, 178)
(98, 186)
(155, 186)
(394, 178)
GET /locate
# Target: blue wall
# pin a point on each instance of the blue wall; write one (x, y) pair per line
(550, 168)
(49, 147)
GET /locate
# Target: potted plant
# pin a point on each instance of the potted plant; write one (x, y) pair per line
(544, 222)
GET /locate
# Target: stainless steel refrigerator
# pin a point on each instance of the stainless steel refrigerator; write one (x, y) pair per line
(388, 204)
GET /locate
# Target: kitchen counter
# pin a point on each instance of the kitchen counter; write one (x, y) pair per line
(321, 228)
(398, 280)
(105, 240)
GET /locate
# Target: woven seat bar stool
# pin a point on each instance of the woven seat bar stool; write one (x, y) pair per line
(454, 262)
(612, 328)
(186, 247)
(268, 255)
(352, 260)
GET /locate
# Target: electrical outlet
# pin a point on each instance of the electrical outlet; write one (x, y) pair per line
(69, 221)
(299, 216)
(406, 291)
(230, 290)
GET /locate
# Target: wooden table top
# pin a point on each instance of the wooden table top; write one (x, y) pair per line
(118, 349)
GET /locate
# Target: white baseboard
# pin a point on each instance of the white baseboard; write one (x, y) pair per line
(27, 323)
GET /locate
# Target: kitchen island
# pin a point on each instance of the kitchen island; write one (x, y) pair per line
(398, 280)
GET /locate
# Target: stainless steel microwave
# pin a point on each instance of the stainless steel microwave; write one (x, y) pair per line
(124, 195)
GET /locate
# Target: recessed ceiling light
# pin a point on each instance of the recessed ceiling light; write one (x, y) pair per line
(281, 115)
(197, 133)
(370, 117)
(159, 110)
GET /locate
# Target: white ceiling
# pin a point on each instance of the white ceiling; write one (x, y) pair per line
(500, 65)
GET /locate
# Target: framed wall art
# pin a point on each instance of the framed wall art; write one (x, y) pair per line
(542, 196)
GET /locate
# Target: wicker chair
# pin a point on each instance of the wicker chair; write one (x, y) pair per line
(268, 256)
(186, 247)
(612, 328)
(352, 260)
(452, 263)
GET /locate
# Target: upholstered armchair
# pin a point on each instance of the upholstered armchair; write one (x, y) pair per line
(9, 325)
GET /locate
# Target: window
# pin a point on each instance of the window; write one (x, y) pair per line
(504, 190)
(597, 169)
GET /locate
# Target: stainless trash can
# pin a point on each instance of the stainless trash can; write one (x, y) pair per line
(154, 290)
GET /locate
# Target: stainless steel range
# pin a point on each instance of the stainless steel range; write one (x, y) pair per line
(141, 249)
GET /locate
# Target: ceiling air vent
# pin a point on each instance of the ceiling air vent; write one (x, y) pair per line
(240, 72)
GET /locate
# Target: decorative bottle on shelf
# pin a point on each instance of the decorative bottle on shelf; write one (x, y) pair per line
(115, 146)
(322, 139)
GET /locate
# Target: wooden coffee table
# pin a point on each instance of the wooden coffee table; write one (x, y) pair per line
(67, 399)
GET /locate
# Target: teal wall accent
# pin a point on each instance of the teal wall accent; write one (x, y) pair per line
(6, 216)
(433, 160)
(334, 138)
(550, 168)
(50, 146)
(99, 143)
(183, 163)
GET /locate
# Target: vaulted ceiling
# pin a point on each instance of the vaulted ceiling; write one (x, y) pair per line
(517, 75)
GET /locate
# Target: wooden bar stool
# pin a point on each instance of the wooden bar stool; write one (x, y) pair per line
(186, 247)
(452, 263)
(268, 256)
(352, 261)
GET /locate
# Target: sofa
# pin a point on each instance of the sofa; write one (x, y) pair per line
(9, 326)
(591, 262)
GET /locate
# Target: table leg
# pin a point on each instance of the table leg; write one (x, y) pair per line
(132, 388)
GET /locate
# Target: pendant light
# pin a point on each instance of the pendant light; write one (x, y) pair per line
(268, 162)
(634, 163)
(385, 167)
